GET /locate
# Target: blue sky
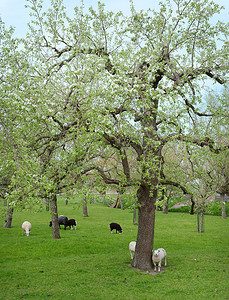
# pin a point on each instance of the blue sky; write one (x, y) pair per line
(14, 13)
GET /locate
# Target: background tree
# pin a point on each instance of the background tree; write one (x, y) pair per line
(219, 102)
(202, 173)
(223, 186)
(48, 148)
(10, 153)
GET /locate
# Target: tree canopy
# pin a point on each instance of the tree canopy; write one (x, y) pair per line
(102, 85)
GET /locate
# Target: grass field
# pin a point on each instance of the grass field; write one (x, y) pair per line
(92, 263)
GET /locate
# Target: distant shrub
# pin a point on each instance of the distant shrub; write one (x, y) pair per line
(184, 209)
(215, 208)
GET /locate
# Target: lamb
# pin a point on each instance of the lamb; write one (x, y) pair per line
(158, 255)
(115, 226)
(61, 221)
(70, 223)
(132, 246)
(26, 227)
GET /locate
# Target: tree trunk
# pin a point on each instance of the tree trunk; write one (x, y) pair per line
(165, 201)
(85, 213)
(135, 222)
(146, 220)
(120, 193)
(165, 207)
(116, 203)
(55, 225)
(122, 205)
(9, 218)
(200, 221)
(224, 214)
(192, 206)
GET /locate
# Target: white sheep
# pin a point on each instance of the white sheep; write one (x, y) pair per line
(132, 246)
(158, 255)
(26, 227)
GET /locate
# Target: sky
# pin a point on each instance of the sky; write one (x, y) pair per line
(13, 12)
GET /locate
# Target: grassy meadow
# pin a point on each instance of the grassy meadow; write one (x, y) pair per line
(92, 263)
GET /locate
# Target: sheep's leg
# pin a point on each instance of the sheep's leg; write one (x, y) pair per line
(155, 267)
(131, 255)
(159, 266)
(165, 261)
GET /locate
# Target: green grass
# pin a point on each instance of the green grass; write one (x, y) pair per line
(92, 263)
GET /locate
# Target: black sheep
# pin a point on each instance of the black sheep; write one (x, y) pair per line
(61, 221)
(70, 223)
(115, 226)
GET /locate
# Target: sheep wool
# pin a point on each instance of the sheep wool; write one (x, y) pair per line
(132, 246)
(26, 227)
(158, 255)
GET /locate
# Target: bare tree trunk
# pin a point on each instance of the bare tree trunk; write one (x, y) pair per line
(55, 225)
(192, 206)
(224, 214)
(116, 203)
(164, 200)
(135, 222)
(120, 193)
(9, 218)
(165, 207)
(146, 221)
(85, 213)
(200, 221)
(122, 205)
